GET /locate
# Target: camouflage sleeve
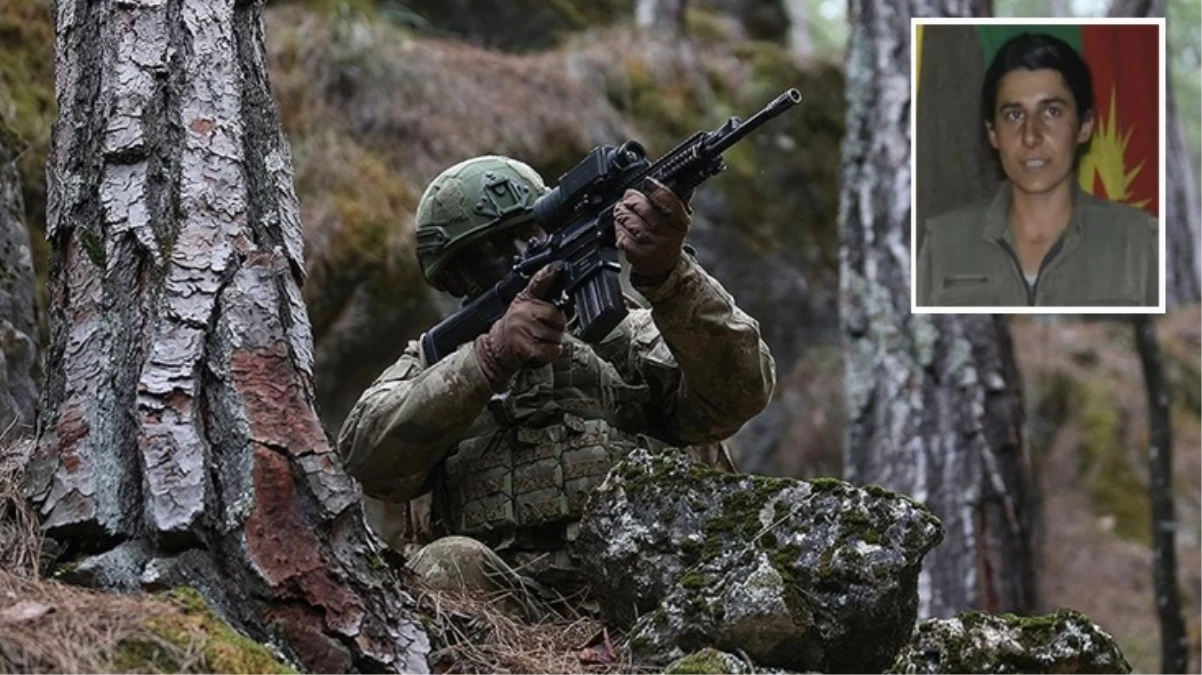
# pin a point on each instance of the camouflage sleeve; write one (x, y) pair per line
(709, 369)
(409, 418)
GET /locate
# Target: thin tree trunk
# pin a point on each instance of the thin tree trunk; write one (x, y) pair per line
(801, 42)
(1182, 214)
(1182, 217)
(1173, 646)
(18, 321)
(1180, 229)
(178, 442)
(933, 401)
(667, 16)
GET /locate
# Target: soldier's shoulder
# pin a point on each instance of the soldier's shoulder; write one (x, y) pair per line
(964, 220)
(1103, 216)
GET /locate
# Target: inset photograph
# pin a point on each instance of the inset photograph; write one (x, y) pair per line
(1038, 166)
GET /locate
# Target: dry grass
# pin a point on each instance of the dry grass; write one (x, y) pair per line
(55, 628)
(475, 634)
(46, 626)
(20, 536)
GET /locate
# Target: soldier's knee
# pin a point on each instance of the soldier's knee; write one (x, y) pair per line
(461, 564)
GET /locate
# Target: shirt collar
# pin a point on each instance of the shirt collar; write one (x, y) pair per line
(997, 225)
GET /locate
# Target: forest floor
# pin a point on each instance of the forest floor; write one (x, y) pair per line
(1092, 469)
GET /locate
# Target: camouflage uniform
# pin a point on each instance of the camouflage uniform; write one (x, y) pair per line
(514, 470)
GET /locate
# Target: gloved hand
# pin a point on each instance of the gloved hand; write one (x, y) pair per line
(651, 229)
(528, 335)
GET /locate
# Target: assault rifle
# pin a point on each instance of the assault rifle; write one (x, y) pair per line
(578, 215)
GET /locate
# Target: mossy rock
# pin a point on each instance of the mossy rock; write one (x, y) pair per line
(976, 642)
(192, 640)
(811, 575)
(708, 661)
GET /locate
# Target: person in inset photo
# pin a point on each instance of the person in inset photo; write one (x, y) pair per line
(1041, 240)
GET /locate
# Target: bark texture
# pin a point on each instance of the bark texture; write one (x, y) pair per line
(178, 441)
(1173, 646)
(18, 321)
(933, 401)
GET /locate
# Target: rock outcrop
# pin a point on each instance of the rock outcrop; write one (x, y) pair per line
(975, 642)
(803, 575)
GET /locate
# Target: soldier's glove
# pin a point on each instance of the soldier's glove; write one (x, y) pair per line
(651, 229)
(528, 335)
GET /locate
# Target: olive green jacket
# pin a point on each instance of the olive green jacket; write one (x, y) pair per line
(1107, 256)
(691, 369)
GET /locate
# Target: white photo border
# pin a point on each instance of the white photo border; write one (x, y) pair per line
(1033, 21)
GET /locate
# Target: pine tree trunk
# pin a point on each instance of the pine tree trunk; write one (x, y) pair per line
(933, 401)
(18, 321)
(178, 442)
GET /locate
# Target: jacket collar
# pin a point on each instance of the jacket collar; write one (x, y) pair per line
(997, 224)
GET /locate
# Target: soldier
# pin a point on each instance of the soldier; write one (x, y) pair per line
(512, 430)
(1042, 241)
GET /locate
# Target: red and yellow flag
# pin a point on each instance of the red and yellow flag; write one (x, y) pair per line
(1123, 163)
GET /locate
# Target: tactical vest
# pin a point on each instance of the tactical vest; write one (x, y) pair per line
(534, 455)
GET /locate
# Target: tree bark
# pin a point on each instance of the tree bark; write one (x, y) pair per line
(666, 16)
(1173, 647)
(18, 320)
(178, 442)
(933, 401)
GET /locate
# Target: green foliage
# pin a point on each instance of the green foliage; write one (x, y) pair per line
(1114, 484)
(516, 25)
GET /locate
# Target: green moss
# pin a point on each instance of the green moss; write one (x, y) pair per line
(693, 579)
(192, 640)
(1114, 484)
(826, 484)
(707, 660)
(93, 246)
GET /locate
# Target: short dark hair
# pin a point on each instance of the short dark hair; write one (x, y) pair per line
(1035, 51)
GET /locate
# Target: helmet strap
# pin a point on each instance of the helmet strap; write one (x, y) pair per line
(461, 282)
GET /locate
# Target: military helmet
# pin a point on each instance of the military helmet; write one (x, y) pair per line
(470, 201)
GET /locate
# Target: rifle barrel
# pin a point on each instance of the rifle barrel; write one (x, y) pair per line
(780, 104)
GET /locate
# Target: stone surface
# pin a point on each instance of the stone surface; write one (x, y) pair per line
(707, 660)
(18, 328)
(804, 575)
(975, 642)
